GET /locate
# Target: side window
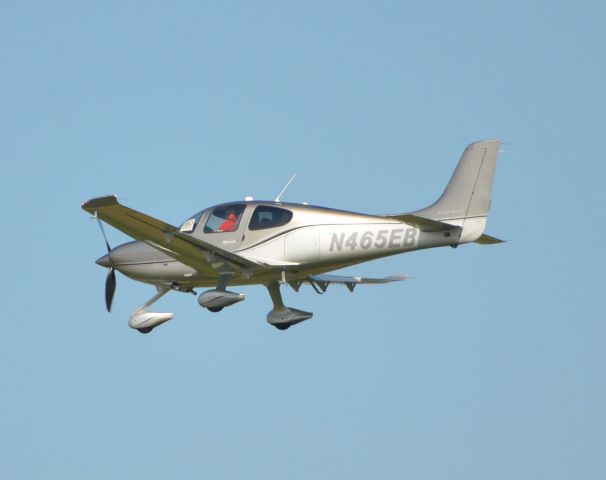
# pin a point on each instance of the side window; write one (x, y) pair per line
(269, 217)
(225, 218)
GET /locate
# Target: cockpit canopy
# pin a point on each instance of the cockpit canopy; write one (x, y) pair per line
(227, 218)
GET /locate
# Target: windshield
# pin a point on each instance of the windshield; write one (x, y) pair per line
(189, 225)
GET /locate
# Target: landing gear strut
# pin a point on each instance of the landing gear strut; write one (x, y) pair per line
(145, 321)
(281, 316)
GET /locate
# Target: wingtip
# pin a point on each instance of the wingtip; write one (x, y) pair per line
(98, 202)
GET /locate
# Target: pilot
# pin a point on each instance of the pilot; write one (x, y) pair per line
(229, 225)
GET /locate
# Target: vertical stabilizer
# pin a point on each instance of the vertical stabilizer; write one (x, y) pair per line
(467, 194)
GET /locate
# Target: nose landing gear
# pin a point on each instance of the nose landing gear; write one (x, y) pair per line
(145, 321)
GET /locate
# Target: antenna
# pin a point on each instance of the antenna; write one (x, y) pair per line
(285, 187)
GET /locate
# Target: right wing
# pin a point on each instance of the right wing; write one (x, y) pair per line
(320, 283)
(198, 254)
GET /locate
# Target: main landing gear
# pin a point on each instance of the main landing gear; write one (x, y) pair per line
(281, 316)
(217, 299)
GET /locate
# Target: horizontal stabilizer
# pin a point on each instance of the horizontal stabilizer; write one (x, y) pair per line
(424, 224)
(488, 240)
(322, 282)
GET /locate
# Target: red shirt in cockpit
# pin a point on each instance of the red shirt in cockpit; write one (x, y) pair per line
(229, 225)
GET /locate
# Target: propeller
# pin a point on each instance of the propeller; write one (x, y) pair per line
(110, 281)
(110, 288)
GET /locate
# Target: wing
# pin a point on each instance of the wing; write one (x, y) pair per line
(198, 254)
(321, 282)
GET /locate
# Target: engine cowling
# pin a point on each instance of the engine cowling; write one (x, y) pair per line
(219, 298)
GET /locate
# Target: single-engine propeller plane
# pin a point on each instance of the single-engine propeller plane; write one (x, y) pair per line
(273, 243)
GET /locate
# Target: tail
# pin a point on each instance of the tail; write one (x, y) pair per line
(466, 199)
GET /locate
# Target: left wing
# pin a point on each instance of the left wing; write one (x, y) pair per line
(198, 254)
(321, 282)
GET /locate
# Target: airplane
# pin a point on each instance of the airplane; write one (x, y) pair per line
(275, 243)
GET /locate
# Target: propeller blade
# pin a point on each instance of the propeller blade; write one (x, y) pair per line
(104, 236)
(110, 288)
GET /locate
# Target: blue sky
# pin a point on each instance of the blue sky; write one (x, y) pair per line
(487, 364)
